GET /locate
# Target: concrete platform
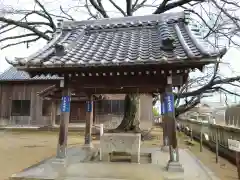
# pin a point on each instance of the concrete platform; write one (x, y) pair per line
(52, 168)
(79, 167)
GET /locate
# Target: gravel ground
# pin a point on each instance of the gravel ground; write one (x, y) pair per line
(21, 150)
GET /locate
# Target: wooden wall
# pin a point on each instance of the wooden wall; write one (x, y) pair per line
(78, 112)
(27, 91)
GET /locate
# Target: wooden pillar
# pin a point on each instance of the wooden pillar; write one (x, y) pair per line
(165, 146)
(94, 112)
(53, 112)
(89, 122)
(238, 163)
(173, 164)
(64, 119)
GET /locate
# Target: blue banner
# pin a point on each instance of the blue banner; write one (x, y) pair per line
(89, 106)
(169, 103)
(65, 105)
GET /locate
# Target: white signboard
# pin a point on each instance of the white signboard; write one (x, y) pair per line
(234, 145)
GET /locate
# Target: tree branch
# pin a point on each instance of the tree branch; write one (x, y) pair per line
(161, 7)
(98, 6)
(138, 6)
(189, 105)
(173, 5)
(47, 14)
(21, 42)
(26, 26)
(208, 86)
(134, 4)
(118, 8)
(89, 11)
(17, 37)
(66, 14)
(129, 7)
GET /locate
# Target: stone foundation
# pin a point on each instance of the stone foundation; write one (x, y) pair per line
(120, 142)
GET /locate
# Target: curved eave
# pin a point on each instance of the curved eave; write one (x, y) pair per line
(215, 53)
(47, 50)
(16, 61)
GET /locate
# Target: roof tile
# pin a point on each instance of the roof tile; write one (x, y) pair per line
(128, 40)
(12, 74)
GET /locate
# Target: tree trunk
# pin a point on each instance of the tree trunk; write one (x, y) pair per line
(131, 119)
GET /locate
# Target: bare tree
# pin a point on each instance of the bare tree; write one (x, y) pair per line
(217, 19)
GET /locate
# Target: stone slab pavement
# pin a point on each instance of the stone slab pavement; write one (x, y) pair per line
(75, 169)
(193, 167)
(51, 168)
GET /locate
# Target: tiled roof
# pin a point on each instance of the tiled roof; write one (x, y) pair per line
(153, 39)
(12, 74)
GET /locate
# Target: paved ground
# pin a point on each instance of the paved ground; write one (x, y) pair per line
(140, 171)
(21, 150)
(75, 168)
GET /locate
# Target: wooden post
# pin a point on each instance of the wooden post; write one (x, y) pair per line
(94, 112)
(217, 144)
(201, 136)
(64, 119)
(53, 113)
(89, 122)
(101, 133)
(165, 146)
(201, 139)
(191, 132)
(238, 163)
(173, 164)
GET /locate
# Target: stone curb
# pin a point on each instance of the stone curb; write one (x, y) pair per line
(209, 172)
(53, 158)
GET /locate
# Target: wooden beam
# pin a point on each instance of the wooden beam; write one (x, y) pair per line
(119, 90)
(120, 81)
(174, 66)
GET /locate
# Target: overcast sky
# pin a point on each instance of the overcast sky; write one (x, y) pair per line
(232, 58)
